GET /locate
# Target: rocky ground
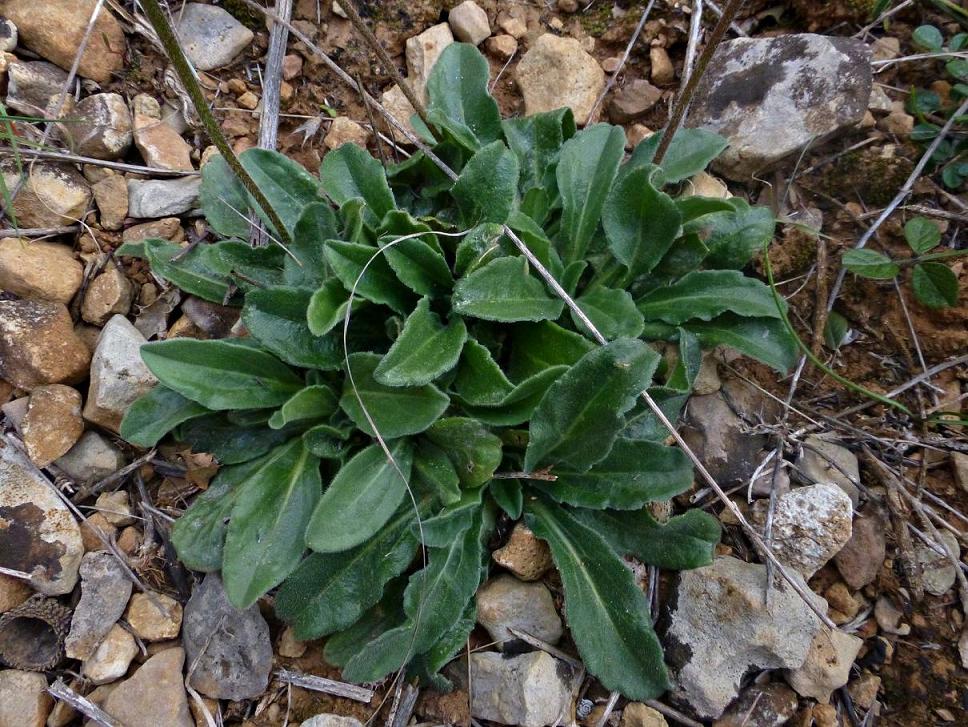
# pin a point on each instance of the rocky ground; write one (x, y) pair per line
(98, 620)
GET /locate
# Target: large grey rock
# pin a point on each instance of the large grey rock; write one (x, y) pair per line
(92, 458)
(39, 534)
(210, 36)
(770, 97)
(105, 590)
(154, 695)
(827, 666)
(230, 649)
(821, 459)
(558, 72)
(505, 602)
(32, 85)
(531, 690)
(720, 628)
(153, 198)
(118, 375)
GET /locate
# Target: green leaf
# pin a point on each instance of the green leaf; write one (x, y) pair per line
(360, 500)
(479, 247)
(425, 349)
(277, 317)
(870, 264)
(417, 261)
(536, 141)
(230, 441)
(705, 294)
(538, 346)
(928, 37)
(395, 411)
(154, 414)
(285, 183)
(690, 152)
(519, 404)
(442, 529)
(474, 451)
(327, 307)
(223, 199)
(765, 339)
(935, 285)
(684, 542)
(458, 96)
(313, 402)
(316, 224)
(504, 290)
(487, 188)
(607, 612)
(581, 413)
(479, 380)
(264, 540)
(250, 267)
(366, 268)
(191, 271)
(326, 441)
(350, 172)
(612, 311)
(433, 470)
(633, 474)
(640, 222)
(693, 207)
(221, 374)
(328, 592)
(424, 667)
(199, 534)
(922, 234)
(835, 330)
(734, 237)
(385, 615)
(586, 167)
(509, 495)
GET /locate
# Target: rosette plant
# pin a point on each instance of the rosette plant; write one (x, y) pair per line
(408, 383)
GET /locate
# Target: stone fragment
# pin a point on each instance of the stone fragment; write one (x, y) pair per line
(770, 97)
(396, 103)
(531, 690)
(31, 87)
(959, 466)
(15, 411)
(116, 507)
(40, 535)
(97, 533)
(886, 48)
(38, 345)
(289, 646)
(39, 269)
(160, 145)
(54, 29)
(513, 26)
(100, 127)
(53, 195)
(810, 526)
(105, 589)
(154, 616)
(632, 101)
(637, 714)
(524, 554)
(706, 185)
(823, 460)
(863, 690)
(292, 65)
(721, 628)
(8, 35)
(662, 70)
(768, 705)
(162, 197)
(827, 666)
(111, 659)
(52, 424)
(109, 294)
(636, 134)
(210, 36)
(505, 602)
(154, 695)
(111, 197)
(469, 23)
(860, 560)
(248, 100)
(558, 72)
(92, 458)
(168, 228)
(937, 571)
(230, 648)
(888, 617)
(343, 130)
(879, 101)
(118, 375)
(502, 47)
(897, 123)
(13, 592)
(331, 720)
(24, 701)
(422, 52)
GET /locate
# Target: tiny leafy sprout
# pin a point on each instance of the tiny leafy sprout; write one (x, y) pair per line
(455, 355)
(934, 283)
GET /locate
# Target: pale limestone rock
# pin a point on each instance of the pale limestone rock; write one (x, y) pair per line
(39, 269)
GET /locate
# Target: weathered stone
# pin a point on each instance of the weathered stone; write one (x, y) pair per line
(770, 97)
(111, 197)
(118, 375)
(469, 22)
(558, 72)
(32, 85)
(331, 720)
(105, 589)
(168, 228)
(100, 127)
(396, 103)
(24, 701)
(116, 507)
(720, 628)
(662, 71)
(823, 460)
(524, 554)
(861, 558)
(109, 294)
(211, 37)
(292, 65)
(422, 52)
(52, 195)
(633, 100)
(92, 458)
(111, 659)
(52, 424)
(97, 533)
(501, 46)
(248, 100)
(289, 646)
(38, 345)
(706, 185)
(154, 695)
(160, 145)
(343, 130)
(230, 648)
(54, 29)
(13, 592)
(530, 690)
(863, 690)
(888, 617)
(810, 526)
(8, 35)
(769, 705)
(937, 571)
(897, 123)
(162, 197)
(154, 616)
(959, 466)
(38, 269)
(505, 602)
(637, 714)
(827, 666)
(40, 536)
